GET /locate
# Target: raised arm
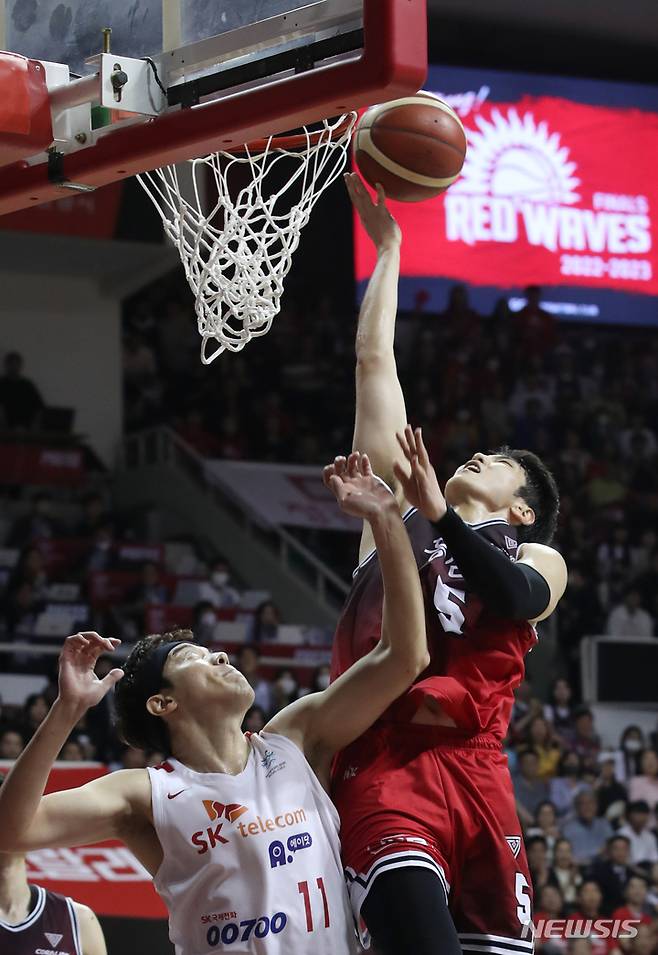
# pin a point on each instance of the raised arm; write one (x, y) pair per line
(90, 813)
(526, 589)
(325, 722)
(380, 408)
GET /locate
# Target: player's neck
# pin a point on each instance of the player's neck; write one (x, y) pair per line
(476, 512)
(219, 747)
(14, 890)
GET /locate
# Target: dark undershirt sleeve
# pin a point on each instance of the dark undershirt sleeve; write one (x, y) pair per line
(507, 589)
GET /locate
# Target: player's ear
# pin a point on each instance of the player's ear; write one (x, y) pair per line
(161, 705)
(521, 514)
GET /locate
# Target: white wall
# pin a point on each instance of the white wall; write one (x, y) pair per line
(70, 338)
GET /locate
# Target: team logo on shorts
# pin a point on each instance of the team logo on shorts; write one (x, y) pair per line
(514, 842)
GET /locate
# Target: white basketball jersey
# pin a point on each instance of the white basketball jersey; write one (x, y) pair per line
(251, 862)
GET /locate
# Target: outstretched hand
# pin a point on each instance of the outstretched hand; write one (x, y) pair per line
(78, 684)
(377, 220)
(421, 487)
(358, 491)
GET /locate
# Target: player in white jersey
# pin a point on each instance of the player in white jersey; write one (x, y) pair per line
(237, 831)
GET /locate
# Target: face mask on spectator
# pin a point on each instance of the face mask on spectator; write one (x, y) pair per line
(287, 685)
(571, 770)
(322, 681)
(208, 619)
(633, 745)
(220, 578)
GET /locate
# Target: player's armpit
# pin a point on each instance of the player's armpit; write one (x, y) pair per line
(92, 940)
(91, 813)
(550, 564)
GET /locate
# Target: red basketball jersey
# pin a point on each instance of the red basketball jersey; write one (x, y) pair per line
(476, 658)
(51, 927)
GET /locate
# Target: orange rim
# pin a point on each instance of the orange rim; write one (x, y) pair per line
(297, 141)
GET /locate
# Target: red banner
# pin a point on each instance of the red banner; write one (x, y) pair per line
(553, 192)
(107, 876)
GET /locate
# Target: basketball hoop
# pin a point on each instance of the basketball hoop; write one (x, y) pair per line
(237, 254)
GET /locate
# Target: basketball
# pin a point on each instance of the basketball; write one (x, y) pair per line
(415, 147)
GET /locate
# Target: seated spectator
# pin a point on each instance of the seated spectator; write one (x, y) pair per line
(193, 431)
(529, 787)
(534, 325)
(559, 709)
(631, 745)
(221, 592)
(12, 743)
(101, 556)
(645, 786)
(265, 625)
(94, 515)
(610, 793)
(72, 752)
(285, 688)
(636, 906)
(540, 738)
(321, 679)
(549, 906)
(629, 619)
(590, 899)
(585, 740)
(587, 833)
(30, 569)
(637, 829)
(545, 825)
(526, 707)
(248, 663)
(613, 871)
(254, 720)
(35, 710)
(568, 783)
(537, 853)
(21, 403)
(204, 622)
(564, 873)
(20, 610)
(36, 525)
(133, 758)
(150, 591)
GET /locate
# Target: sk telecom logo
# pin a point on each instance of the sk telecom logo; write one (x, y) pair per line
(211, 836)
(217, 810)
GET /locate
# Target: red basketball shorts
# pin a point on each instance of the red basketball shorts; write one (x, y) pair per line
(431, 797)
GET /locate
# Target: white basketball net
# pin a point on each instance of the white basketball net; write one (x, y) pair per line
(237, 254)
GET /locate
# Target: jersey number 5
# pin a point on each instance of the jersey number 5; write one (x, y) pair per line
(449, 602)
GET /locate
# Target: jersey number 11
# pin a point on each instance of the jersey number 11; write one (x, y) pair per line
(304, 890)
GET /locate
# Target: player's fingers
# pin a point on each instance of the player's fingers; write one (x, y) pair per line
(400, 474)
(411, 439)
(366, 466)
(353, 464)
(327, 473)
(340, 465)
(112, 678)
(337, 487)
(420, 447)
(402, 441)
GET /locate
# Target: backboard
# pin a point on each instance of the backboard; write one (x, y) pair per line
(185, 78)
(71, 31)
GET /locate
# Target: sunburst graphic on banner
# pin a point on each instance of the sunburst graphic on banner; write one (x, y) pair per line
(516, 157)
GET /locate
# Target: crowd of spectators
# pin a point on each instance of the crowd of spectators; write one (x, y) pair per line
(588, 811)
(583, 397)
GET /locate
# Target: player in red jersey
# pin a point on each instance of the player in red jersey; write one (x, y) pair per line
(432, 845)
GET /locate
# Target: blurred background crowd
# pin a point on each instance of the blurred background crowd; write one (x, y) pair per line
(583, 397)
